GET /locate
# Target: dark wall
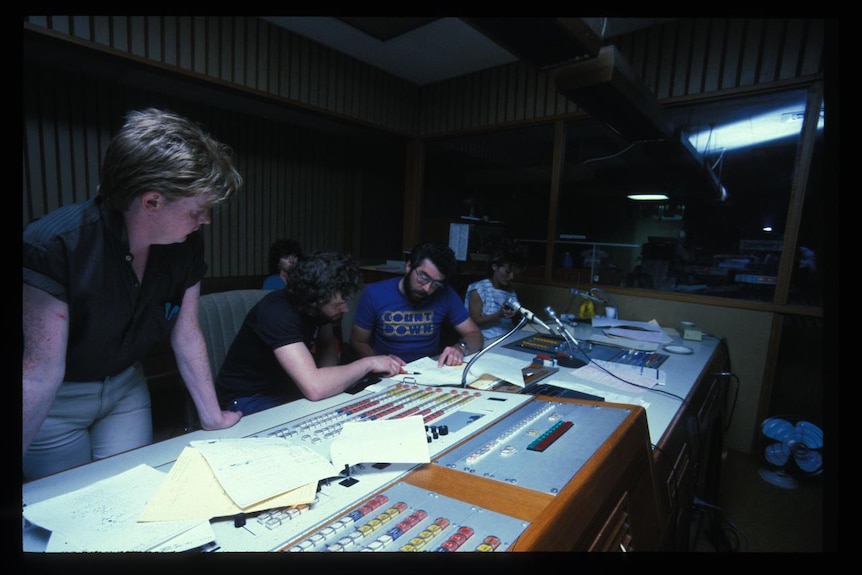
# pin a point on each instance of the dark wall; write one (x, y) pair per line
(316, 185)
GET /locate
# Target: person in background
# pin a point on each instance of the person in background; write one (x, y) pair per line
(108, 278)
(404, 316)
(283, 255)
(485, 298)
(286, 347)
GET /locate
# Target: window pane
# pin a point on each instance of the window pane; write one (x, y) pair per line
(806, 284)
(498, 183)
(720, 230)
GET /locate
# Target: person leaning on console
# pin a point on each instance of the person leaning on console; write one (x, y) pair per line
(404, 316)
(105, 280)
(485, 298)
(283, 255)
(286, 348)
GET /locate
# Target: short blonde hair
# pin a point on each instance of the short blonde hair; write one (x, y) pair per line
(162, 151)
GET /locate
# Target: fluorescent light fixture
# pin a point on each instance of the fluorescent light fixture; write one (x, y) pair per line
(647, 197)
(778, 124)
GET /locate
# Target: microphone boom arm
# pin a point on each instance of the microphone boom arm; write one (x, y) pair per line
(570, 339)
(484, 349)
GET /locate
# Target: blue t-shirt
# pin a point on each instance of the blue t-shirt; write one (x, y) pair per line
(274, 281)
(403, 328)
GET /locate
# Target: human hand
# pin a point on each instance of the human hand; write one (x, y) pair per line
(226, 419)
(451, 355)
(386, 365)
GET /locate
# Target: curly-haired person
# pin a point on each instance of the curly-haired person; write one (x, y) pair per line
(286, 348)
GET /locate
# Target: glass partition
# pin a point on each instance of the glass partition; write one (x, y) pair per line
(497, 184)
(719, 226)
(719, 229)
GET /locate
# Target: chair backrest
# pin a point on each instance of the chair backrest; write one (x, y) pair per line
(221, 315)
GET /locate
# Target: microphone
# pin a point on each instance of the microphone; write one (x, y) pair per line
(512, 303)
(570, 339)
(553, 315)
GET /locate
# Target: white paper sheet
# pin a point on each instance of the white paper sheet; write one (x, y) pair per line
(628, 378)
(192, 491)
(459, 236)
(501, 366)
(385, 441)
(638, 334)
(430, 374)
(103, 517)
(253, 469)
(623, 342)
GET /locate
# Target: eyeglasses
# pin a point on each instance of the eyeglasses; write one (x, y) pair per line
(425, 279)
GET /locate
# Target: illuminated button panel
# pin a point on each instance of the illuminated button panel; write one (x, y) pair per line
(405, 518)
(540, 446)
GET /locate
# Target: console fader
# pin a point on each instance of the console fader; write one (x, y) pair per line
(458, 413)
(540, 446)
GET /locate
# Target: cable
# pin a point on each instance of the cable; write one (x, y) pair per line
(669, 465)
(729, 373)
(669, 394)
(726, 535)
(720, 156)
(621, 152)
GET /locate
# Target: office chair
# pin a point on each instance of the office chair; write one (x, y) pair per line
(221, 314)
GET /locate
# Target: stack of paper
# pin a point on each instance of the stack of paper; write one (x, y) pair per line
(103, 517)
(147, 510)
(636, 334)
(224, 477)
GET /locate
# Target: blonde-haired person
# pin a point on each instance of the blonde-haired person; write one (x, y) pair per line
(105, 280)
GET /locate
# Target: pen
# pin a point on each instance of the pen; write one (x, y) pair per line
(405, 372)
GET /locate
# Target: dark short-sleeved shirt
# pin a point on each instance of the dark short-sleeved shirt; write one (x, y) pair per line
(250, 366)
(402, 327)
(80, 254)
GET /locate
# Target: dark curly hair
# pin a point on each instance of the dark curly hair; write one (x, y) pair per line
(316, 278)
(440, 255)
(282, 248)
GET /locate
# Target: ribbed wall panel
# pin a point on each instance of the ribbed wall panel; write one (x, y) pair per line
(254, 55)
(295, 180)
(295, 185)
(681, 58)
(509, 94)
(690, 57)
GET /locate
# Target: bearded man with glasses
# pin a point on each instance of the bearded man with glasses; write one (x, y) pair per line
(405, 316)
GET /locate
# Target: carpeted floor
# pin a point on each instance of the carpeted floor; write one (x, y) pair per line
(757, 516)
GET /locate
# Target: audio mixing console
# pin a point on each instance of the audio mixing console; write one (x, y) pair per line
(555, 347)
(410, 519)
(451, 415)
(501, 474)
